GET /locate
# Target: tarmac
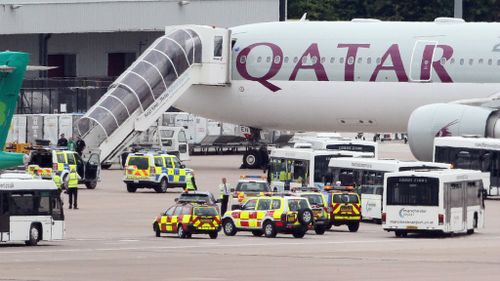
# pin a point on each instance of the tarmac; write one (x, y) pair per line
(111, 238)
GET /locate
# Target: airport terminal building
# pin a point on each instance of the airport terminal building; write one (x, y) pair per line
(92, 42)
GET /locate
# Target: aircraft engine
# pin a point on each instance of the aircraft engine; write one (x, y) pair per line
(442, 120)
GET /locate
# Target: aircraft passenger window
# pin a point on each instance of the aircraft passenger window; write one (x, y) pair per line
(443, 60)
(341, 60)
(452, 61)
(259, 59)
(360, 60)
(462, 61)
(369, 60)
(323, 60)
(304, 60)
(379, 60)
(243, 59)
(295, 59)
(277, 59)
(480, 61)
(490, 61)
(286, 59)
(350, 60)
(314, 60)
(471, 61)
(268, 59)
(332, 60)
(498, 62)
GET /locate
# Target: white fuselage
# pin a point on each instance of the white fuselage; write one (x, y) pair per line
(349, 76)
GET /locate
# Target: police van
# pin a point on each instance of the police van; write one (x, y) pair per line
(155, 170)
(30, 210)
(48, 162)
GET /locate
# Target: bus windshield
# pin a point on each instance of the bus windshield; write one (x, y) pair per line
(413, 191)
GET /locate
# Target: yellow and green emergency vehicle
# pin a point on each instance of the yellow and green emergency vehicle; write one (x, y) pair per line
(154, 170)
(48, 163)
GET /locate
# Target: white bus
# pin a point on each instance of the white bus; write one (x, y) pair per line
(367, 176)
(471, 153)
(345, 144)
(30, 210)
(297, 167)
(443, 201)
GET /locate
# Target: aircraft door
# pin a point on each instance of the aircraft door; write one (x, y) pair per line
(421, 60)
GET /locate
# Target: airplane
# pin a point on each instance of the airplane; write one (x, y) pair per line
(12, 69)
(365, 75)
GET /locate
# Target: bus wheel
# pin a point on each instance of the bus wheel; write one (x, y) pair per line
(400, 233)
(34, 236)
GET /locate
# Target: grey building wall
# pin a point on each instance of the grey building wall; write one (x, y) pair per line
(76, 16)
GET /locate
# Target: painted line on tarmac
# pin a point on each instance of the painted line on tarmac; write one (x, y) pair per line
(211, 245)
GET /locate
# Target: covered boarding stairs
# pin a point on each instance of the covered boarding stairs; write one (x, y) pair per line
(184, 56)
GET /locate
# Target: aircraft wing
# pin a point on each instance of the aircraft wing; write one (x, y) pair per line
(492, 101)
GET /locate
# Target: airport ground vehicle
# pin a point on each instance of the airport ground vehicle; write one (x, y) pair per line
(319, 207)
(47, 161)
(187, 218)
(270, 215)
(155, 170)
(297, 167)
(248, 186)
(30, 210)
(344, 207)
(199, 196)
(367, 177)
(445, 201)
(471, 153)
(329, 141)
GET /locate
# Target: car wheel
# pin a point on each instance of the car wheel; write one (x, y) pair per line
(353, 227)
(257, 233)
(305, 216)
(320, 230)
(299, 233)
(156, 228)
(34, 236)
(91, 184)
(270, 229)
(213, 235)
(229, 227)
(131, 188)
(181, 233)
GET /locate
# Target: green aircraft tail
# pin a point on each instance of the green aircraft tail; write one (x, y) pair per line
(12, 69)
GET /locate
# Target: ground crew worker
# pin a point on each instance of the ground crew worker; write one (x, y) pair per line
(71, 144)
(225, 191)
(73, 189)
(190, 182)
(57, 180)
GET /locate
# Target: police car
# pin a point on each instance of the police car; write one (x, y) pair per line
(187, 218)
(249, 186)
(270, 215)
(319, 207)
(47, 162)
(154, 170)
(344, 207)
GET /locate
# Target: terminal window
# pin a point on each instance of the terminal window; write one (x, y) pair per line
(119, 62)
(65, 63)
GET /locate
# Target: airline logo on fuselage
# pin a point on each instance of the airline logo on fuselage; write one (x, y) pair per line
(390, 61)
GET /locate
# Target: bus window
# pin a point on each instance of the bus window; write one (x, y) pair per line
(463, 160)
(321, 173)
(26, 203)
(57, 210)
(300, 169)
(413, 192)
